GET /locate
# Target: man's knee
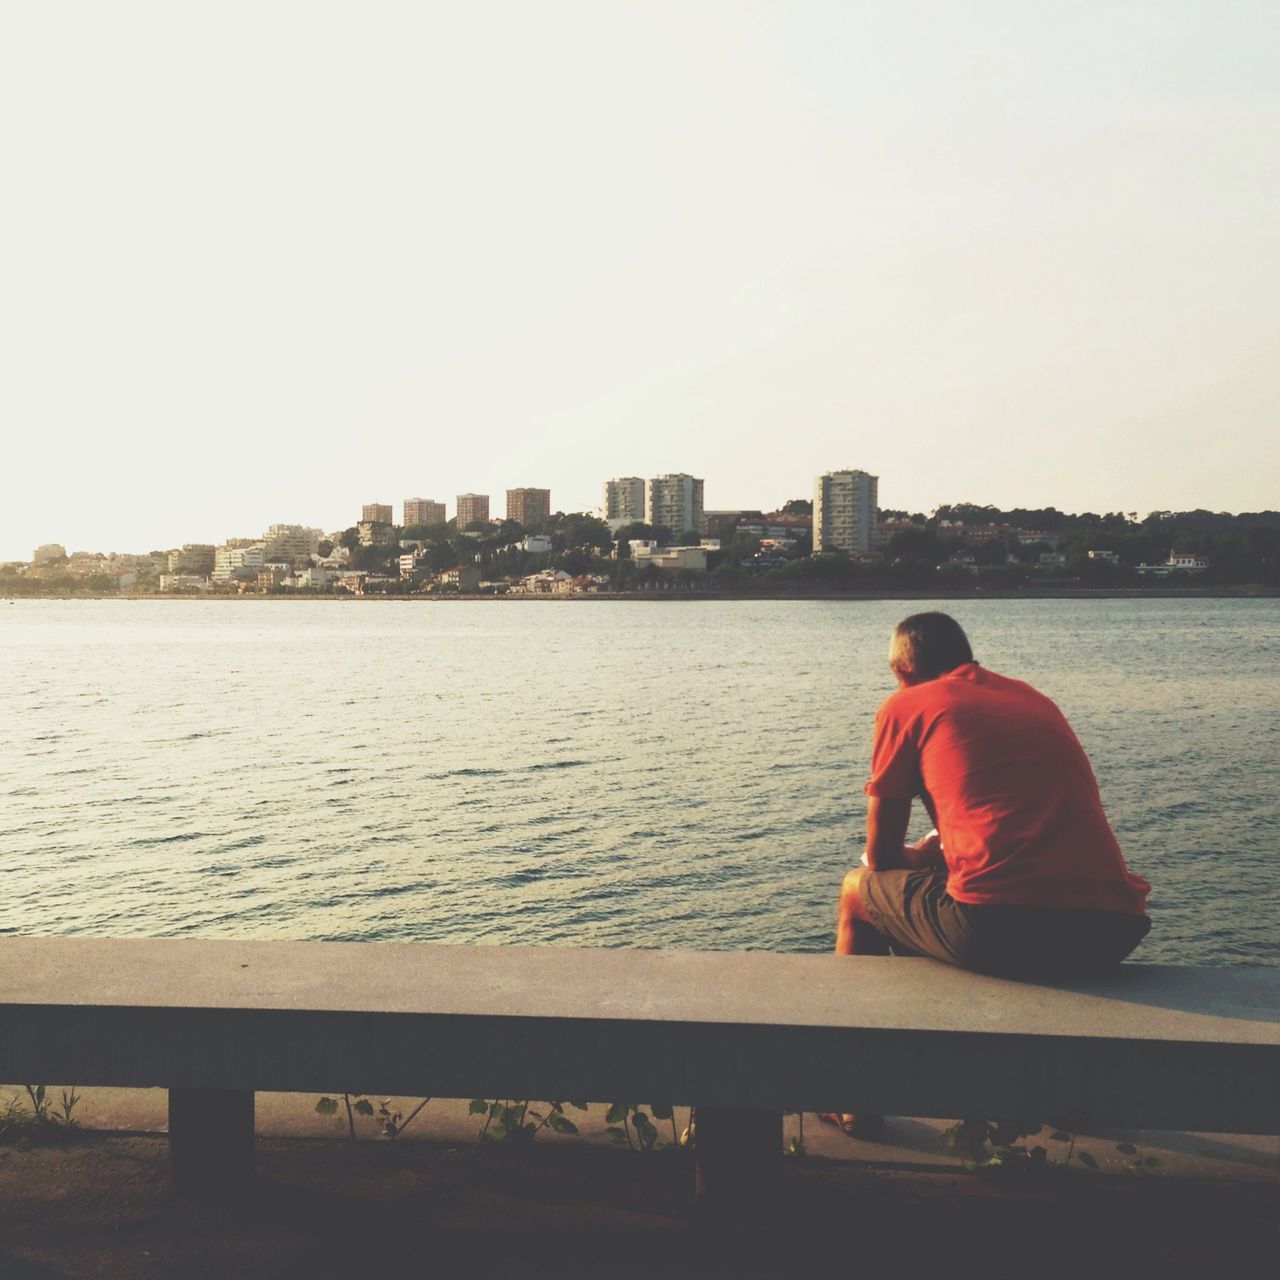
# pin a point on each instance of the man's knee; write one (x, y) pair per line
(851, 890)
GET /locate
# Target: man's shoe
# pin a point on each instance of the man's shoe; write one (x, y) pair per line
(866, 1128)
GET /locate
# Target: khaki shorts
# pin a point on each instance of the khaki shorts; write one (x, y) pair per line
(918, 917)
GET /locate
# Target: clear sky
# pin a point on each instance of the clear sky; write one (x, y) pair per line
(267, 261)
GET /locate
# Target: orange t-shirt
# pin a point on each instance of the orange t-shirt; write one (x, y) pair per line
(1010, 790)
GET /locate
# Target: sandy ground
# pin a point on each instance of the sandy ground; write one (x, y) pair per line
(94, 1203)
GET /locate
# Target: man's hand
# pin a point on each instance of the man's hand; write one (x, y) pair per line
(887, 820)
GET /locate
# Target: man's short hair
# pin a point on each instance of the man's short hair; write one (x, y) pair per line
(927, 644)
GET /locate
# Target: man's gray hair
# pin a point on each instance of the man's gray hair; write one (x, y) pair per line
(927, 644)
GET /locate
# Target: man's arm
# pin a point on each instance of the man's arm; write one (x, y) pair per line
(887, 820)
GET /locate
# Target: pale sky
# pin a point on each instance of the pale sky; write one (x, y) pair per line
(268, 261)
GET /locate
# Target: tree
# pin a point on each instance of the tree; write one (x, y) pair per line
(349, 538)
(580, 530)
(797, 507)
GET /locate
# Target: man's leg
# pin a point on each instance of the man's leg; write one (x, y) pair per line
(855, 934)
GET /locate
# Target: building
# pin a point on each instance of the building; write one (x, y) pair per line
(531, 507)
(465, 577)
(1178, 562)
(1110, 557)
(233, 561)
(675, 501)
(473, 508)
(670, 559)
(183, 582)
(423, 511)
(624, 500)
(291, 544)
(192, 558)
(50, 551)
(377, 513)
(313, 579)
(844, 512)
(536, 544)
(721, 524)
(375, 533)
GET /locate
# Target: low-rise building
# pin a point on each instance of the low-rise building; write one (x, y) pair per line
(545, 582)
(49, 551)
(192, 558)
(536, 544)
(184, 582)
(1107, 557)
(230, 561)
(669, 559)
(1177, 562)
(313, 578)
(466, 577)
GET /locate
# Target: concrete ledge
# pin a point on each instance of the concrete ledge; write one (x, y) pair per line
(1155, 1046)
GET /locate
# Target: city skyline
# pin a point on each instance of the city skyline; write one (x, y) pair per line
(1011, 254)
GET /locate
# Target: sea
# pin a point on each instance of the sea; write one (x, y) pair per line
(592, 773)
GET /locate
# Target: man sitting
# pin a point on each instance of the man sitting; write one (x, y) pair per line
(1023, 876)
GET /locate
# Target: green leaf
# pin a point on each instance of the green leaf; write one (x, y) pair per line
(478, 1107)
(1058, 1135)
(578, 1106)
(327, 1106)
(1126, 1148)
(661, 1111)
(617, 1113)
(363, 1107)
(1086, 1159)
(644, 1127)
(562, 1124)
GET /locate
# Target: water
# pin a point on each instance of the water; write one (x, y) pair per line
(590, 773)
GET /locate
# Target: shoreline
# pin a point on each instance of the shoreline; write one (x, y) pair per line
(665, 597)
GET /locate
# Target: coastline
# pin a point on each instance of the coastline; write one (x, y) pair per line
(1257, 592)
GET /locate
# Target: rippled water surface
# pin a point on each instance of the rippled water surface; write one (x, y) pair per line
(597, 773)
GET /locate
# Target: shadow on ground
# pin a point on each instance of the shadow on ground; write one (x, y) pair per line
(103, 1207)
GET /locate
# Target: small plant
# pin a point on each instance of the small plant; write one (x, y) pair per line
(796, 1146)
(519, 1121)
(993, 1144)
(42, 1112)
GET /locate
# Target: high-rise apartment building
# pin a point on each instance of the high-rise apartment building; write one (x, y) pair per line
(377, 512)
(624, 499)
(844, 511)
(423, 511)
(291, 543)
(531, 507)
(472, 508)
(676, 501)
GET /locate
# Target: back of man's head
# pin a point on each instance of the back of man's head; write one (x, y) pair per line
(926, 645)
